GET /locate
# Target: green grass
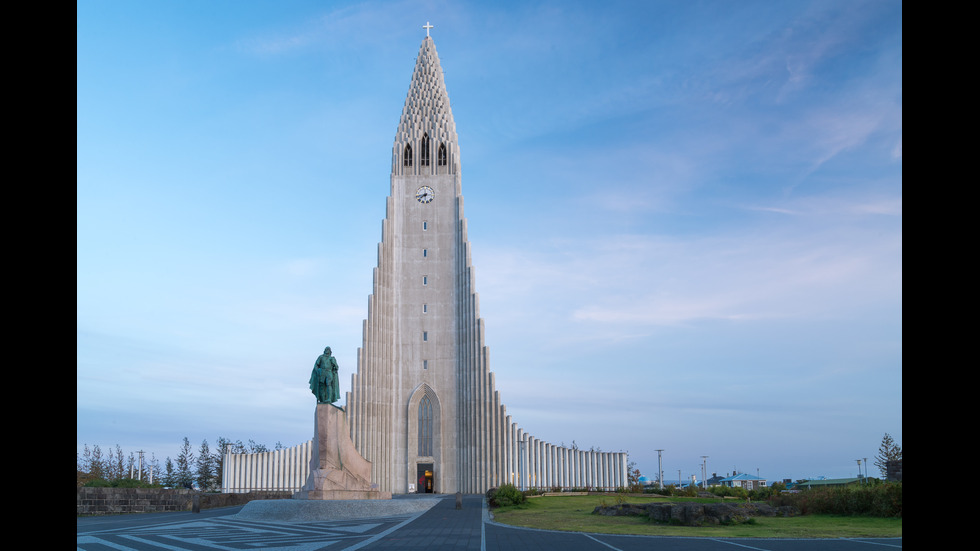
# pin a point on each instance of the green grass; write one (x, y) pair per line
(574, 513)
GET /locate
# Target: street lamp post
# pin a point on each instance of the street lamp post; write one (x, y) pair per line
(704, 472)
(660, 472)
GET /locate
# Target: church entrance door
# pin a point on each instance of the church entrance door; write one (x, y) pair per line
(425, 476)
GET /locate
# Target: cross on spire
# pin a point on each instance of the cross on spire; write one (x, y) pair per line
(427, 26)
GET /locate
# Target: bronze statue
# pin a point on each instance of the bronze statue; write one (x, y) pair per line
(323, 380)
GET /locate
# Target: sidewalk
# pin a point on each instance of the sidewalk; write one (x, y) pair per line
(441, 527)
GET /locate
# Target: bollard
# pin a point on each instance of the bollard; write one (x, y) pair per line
(196, 504)
(459, 500)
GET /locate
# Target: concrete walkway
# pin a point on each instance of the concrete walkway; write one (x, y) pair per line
(419, 523)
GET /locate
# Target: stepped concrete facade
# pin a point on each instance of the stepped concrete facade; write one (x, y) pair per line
(423, 407)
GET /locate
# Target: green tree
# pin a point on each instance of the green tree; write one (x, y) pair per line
(185, 462)
(206, 469)
(119, 464)
(85, 460)
(168, 477)
(96, 465)
(131, 465)
(153, 471)
(887, 451)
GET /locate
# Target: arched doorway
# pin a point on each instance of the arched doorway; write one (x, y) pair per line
(424, 446)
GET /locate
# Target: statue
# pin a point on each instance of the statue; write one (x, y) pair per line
(323, 380)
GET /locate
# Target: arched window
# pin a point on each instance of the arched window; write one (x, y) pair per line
(424, 154)
(408, 155)
(442, 155)
(425, 427)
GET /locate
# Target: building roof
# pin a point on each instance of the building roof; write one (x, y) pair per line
(827, 482)
(742, 476)
(426, 109)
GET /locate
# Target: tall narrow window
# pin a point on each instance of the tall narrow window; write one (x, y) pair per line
(425, 225)
(442, 155)
(425, 336)
(425, 253)
(425, 427)
(424, 154)
(425, 308)
(425, 280)
(408, 155)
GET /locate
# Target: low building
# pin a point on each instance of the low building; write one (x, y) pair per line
(743, 480)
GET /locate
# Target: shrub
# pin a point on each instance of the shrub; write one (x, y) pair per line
(873, 500)
(505, 495)
(690, 491)
(729, 491)
(119, 483)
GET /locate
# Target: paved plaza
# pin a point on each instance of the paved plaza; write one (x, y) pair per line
(441, 527)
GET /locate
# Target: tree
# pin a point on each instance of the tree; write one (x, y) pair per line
(219, 455)
(118, 464)
(888, 451)
(169, 477)
(633, 477)
(86, 459)
(206, 470)
(96, 467)
(185, 477)
(153, 472)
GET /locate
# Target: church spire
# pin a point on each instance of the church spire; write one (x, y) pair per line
(426, 142)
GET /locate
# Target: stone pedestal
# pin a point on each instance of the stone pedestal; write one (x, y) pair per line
(337, 471)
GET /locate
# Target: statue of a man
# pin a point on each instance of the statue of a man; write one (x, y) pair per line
(323, 380)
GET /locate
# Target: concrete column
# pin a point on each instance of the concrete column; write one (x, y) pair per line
(535, 474)
(604, 471)
(521, 460)
(607, 470)
(576, 470)
(590, 458)
(552, 464)
(546, 478)
(625, 467)
(564, 467)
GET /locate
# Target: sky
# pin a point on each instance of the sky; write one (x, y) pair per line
(685, 218)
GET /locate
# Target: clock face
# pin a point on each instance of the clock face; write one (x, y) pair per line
(425, 194)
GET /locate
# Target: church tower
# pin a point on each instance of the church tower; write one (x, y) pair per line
(422, 359)
(422, 406)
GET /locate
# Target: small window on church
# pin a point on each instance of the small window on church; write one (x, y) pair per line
(442, 154)
(425, 225)
(425, 364)
(408, 155)
(425, 280)
(425, 336)
(425, 253)
(424, 154)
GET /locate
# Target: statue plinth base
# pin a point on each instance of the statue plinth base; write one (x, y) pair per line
(337, 470)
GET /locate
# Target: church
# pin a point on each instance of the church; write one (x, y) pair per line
(422, 406)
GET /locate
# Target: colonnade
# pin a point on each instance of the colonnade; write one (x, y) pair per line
(283, 470)
(535, 464)
(528, 462)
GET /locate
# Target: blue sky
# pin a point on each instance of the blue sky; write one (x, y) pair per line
(686, 218)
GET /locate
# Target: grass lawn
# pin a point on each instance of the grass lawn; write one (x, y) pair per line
(574, 513)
